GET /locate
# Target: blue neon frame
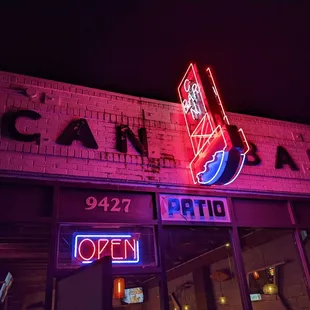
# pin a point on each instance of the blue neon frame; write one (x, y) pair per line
(85, 235)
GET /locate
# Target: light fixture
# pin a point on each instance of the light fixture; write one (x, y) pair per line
(119, 288)
(270, 289)
(255, 275)
(222, 300)
(186, 307)
(227, 245)
(271, 271)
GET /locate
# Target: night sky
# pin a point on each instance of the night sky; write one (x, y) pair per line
(259, 50)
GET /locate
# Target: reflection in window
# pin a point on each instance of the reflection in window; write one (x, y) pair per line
(138, 292)
(200, 269)
(274, 271)
(259, 278)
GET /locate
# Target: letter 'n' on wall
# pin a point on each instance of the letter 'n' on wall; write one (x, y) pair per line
(123, 132)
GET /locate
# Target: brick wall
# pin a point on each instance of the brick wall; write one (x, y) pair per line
(169, 146)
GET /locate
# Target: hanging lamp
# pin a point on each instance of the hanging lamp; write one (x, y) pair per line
(119, 288)
(269, 288)
(222, 300)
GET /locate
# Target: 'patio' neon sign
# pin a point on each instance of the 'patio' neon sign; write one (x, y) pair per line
(124, 249)
(219, 147)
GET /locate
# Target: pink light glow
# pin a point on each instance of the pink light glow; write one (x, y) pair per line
(210, 132)
(122, 248)
(217, 96)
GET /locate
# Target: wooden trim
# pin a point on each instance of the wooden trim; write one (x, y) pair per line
(122, 185)
(267, 266)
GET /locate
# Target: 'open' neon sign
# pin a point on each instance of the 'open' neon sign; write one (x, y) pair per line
(124, 249)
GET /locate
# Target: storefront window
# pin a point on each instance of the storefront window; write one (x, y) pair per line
(273, 268)
(200, 268)
(130, 247)
(24, 252)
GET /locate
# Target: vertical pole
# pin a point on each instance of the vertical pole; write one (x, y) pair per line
(303, 259)
(238, 259)
(301, 251)
(107, 283)
(6, 303)
(163, 285)
(49, 302)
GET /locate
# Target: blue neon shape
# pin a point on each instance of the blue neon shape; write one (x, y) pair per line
(214, 168)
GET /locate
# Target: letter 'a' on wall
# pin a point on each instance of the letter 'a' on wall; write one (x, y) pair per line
(219, 147)
(78, 130)
(284, 158)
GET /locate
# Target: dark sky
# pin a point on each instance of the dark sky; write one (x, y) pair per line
(259, 50)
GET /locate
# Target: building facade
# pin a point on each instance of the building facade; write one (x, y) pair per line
(86, 172)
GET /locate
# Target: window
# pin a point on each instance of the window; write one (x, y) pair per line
(257, 279)
(200, 269)
(274, 270)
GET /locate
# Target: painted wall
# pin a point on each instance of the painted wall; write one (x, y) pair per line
(169, 145)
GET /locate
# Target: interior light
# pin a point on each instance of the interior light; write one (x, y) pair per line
(222, 300)
(270, 289)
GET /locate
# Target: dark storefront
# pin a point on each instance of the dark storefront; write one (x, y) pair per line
(202, 251)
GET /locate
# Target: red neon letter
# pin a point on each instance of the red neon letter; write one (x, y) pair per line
(187, 85)
(133, 247)
(115, 242)
(94, 249)
(101, 249)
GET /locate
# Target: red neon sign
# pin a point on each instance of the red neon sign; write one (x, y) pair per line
(124, 249)
(219, 147)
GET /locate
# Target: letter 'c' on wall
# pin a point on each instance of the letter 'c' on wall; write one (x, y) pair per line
(11, 118)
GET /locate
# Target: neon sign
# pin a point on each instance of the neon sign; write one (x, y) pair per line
(194, 209)
(124, 249)
(219, 147)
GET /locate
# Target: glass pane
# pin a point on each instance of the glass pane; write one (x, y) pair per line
(24, 253)
(305, 237)
(136, 292)
(273, 268)
(200, 269)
